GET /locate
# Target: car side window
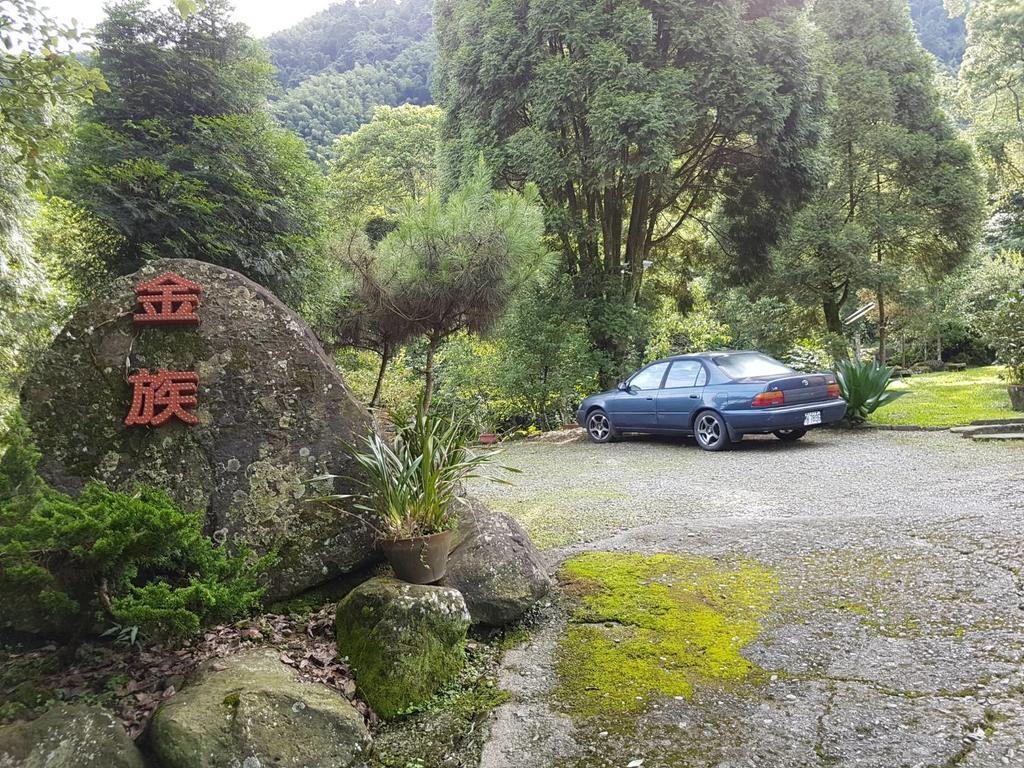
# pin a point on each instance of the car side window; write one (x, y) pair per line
(684, 373)
(649, 377)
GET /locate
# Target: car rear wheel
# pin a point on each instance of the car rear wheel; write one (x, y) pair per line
(789, 435)
(599, 427)
(710, 431)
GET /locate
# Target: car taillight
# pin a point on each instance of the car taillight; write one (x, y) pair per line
(833, 391)
(768, 399)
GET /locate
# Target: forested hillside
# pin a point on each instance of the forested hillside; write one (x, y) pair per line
(337, 65)
(942, 36)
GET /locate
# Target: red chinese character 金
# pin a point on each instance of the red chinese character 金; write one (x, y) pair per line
(162, 395)
(167, 299)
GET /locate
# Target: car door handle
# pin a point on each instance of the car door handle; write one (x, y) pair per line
(695, 397)
(650, 398)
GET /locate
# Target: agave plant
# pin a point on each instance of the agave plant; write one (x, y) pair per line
(864, 385)
(412, 484)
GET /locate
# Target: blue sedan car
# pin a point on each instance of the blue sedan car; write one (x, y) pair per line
(717, 397)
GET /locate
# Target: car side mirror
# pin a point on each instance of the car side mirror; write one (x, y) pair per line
(621, 386)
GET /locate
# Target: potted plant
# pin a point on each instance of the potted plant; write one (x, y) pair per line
(1006, 335)
(411, 486)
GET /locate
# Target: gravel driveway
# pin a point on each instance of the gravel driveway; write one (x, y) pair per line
(897, 633)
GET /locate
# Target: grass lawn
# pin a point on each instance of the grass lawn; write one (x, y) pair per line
(948, 399)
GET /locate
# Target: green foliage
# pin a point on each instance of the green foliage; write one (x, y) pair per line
(413, 485)
(342, 63)
(948, 399)
(69, 565)
(902, 193)
(633, 119)
(453, 264)
(325, 106)
(180, 159)
(808, 356)
(1006, 335)
(942, 35)
(386, 163)
(41, 80)
(346, 35)
(70, 243)
(41, 84)
(864, 385)
(993, 77)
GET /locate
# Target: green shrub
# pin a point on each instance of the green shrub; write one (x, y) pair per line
(1006, 335)
(73, 566)
(864, 385)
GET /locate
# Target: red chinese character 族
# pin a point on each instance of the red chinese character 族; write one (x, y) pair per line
(168, 299)
(161, 396)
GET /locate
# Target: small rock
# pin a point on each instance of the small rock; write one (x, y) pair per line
(76, 736)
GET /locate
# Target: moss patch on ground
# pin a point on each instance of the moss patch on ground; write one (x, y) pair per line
(948, 399)
(654, 626)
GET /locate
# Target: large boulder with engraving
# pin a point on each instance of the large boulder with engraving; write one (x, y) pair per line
(270, 412)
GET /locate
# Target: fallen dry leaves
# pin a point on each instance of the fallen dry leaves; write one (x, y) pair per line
(134, 681)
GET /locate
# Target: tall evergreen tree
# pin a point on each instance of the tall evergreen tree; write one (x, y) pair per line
(902, 191)
(633, 118)
(180, 157)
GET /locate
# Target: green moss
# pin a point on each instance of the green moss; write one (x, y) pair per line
(648, 627)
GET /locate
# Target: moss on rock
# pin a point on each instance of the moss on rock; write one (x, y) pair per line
(251, 709)
(404, 641)
(651, 626)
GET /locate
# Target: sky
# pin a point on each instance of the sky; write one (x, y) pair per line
(262, 16)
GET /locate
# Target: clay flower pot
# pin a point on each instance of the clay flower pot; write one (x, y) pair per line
(420, 559)
(1016, 396)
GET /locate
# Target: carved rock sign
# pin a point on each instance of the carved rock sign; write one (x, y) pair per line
(270, 413)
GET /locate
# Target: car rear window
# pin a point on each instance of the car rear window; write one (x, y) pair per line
(746, 365)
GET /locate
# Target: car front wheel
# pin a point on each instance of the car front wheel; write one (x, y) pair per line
(599, 428)
(710, 431)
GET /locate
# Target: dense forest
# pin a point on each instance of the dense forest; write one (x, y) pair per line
(510, 209)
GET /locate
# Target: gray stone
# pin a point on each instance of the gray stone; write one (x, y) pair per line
(496, 567)
(252, 710)
(272, 412)
(76, 736)
(404, 641)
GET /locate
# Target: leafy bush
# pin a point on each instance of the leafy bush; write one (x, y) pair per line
(412, 486)
(1006, 335)
(864, 385)
(73, 566)
(808, 356)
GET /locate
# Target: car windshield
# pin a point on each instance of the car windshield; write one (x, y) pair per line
(747, 365)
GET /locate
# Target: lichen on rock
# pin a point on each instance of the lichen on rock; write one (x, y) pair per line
(654, 626)
(77, 736)
(404, 641)
(250, 709)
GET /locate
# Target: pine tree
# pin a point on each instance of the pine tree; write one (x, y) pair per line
(902, 191)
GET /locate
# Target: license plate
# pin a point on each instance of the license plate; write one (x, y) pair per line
(814, 417)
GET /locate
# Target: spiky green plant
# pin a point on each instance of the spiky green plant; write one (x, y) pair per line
(411, 485)
(864, 385)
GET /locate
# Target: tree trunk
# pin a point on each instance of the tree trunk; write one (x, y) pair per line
(833, 321)
(385, 356)
(882, 352)
(938, 346)
(428, 373)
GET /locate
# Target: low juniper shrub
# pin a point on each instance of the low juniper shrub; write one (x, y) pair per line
(75, 566)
